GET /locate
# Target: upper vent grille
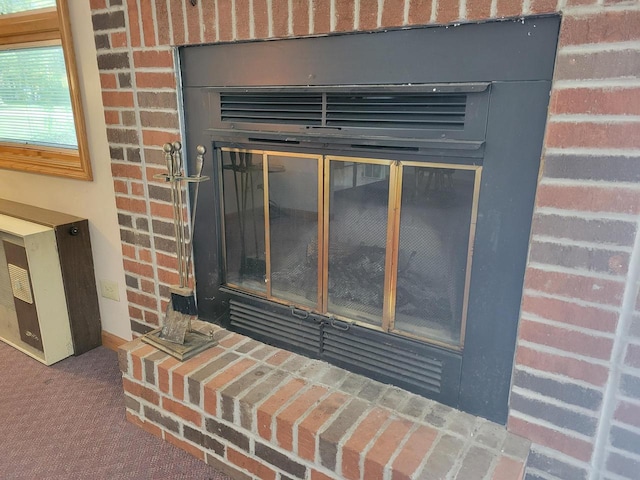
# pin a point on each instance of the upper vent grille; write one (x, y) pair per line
(279, 108)
(396, 110)
(362, 109)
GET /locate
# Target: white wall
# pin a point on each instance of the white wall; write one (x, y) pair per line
(92, 200)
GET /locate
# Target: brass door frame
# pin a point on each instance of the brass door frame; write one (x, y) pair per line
(394, 213)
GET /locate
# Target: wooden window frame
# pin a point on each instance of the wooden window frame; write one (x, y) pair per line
(35, 28)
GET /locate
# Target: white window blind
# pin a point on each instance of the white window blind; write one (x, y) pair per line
(35, 105)
(14, 6)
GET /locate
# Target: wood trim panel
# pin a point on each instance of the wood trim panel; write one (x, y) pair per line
(29, 26)
(111, 341)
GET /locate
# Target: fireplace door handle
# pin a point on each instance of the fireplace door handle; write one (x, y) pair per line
(299, 313)
(338, 325)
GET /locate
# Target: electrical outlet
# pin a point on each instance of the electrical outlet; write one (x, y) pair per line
(109, 290)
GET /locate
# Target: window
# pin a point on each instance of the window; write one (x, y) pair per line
(41, 120)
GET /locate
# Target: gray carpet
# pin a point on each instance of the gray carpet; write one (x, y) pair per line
(67, 422)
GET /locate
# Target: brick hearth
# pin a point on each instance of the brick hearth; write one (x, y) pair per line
(255, 411)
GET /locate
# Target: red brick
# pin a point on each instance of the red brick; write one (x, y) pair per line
(141, 300)
(570, 313)
(120, 186)
(509, 8)
(589, 198)
(279, 358)
(344, 14)
(596, 101)
(575, 286)
(573, 368)
(148, 31)
(543, 6)
(231, 340)
(164, 374)
(478, 9)
(118, 39)
(272, 404)
(316, 475)
(97, 4)
(162, 23)
(225, 21)
(166, 260)
(155, 80)
(447, 11)
(393, 13)
(591, 134)
(187, 447)
(209, 22)
(193, 24)
(384, 447)
(260, 19)
(152, 58)
(138, 268)
(168, 277)
(419, 12)
(573, 447)
(567, 340)
(353, 448)
(134, 25)
(221, 379)
(136, 360)
(176, 17)
(163, 210)
(135, 312)
(288, 417)
(144, 255)
(157, 137)
(280, 18)
(117, 99)
(112, 117)
(368, 15)
(597, 65)
(508, 469)
(321, 16)
(411, 455)
(300, 16)
(146, 426)
(151, 318)
(184, 412)
(190, 366)
(628, 413)
(260, 470)
(243, 20)
(147, 286)
(131, 204)
(311, 425)
(108, 80)
(137, 189)
(122, 170)
(141, 391)
(603, 27)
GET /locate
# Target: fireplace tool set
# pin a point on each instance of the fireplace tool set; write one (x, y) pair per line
(176, 337)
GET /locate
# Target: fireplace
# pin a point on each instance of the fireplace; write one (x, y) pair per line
(371, 208)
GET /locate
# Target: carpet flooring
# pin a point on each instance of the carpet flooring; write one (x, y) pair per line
(67, 421)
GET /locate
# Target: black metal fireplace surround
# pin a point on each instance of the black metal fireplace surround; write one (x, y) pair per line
(372, 197)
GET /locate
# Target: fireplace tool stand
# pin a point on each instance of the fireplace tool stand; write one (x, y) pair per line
(176, 337)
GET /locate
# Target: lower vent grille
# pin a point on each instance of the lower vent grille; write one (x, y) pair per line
(387, 362)
(284, 330)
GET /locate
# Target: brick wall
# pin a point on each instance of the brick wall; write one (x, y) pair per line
(576, 380)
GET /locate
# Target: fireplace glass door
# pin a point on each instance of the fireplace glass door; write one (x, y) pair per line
(382, 243)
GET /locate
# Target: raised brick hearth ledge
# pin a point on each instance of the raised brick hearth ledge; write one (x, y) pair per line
(255, 411)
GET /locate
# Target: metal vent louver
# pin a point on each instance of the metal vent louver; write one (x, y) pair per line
(396, 110)
(384, 361)
(294, 108)
(268, 325)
